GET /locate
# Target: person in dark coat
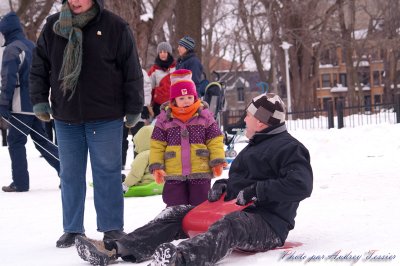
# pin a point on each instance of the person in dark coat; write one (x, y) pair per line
(273, 171)
(15, 106)
(3, 129)
(86, 61)
(189, 60)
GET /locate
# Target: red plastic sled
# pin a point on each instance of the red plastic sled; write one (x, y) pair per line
(200, 218)
(287, 245)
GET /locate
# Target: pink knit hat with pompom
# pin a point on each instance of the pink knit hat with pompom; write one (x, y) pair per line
(182, 84)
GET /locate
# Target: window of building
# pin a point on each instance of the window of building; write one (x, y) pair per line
(329, 56)
(376, 78)
(367, 102)
(325, 101)
(375, 54)
(377, 99)
(344, 53)
(326, 80)
(336, 99)
(334, 79)
(363, 77)
(240, 94)
(343, 79)
(398, 75)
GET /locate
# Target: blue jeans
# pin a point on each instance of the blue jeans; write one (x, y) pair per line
(102, 140)
(16, 147)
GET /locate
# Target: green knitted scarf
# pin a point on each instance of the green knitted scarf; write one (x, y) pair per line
(69, 27)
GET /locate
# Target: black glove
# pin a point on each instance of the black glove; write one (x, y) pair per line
(131, 120)
(246, 195)
(42, 111)
(217, 190)
(125, 188)
(4, 111)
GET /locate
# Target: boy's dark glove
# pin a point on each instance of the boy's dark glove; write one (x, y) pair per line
(131, 120)
(246, 195)
(4, 111)
(42, 111)
(217, 190)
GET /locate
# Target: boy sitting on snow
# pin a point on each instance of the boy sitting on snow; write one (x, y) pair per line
(273, 171)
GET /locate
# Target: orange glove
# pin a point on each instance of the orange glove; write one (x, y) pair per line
(217, 170)
(159, 176)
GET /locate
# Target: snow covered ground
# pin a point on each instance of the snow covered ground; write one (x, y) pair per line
(351, 218)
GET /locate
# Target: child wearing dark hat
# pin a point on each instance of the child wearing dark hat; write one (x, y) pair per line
(188, 59)
(187, 148)
(273, 173)
(159, 73)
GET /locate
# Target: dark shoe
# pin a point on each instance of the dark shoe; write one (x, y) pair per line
(67, 240)
(165, 255)
(12, 188)
(113, 235)
(94, 251)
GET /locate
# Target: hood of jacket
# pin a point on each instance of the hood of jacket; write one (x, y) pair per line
(11, 28)
(142, 139)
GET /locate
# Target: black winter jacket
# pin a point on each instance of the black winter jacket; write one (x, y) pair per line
(280, 166)
(191, 61)
(110, 84)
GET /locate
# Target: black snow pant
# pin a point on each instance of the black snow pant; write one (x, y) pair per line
(166, 227)
(238, 230)
(4, 136)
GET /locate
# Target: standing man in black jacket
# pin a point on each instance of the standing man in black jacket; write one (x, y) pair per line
(87, 64)
(273, 170)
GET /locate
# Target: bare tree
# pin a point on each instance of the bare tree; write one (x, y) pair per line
(188, 21)
(249, 30)
(217, 21)
(302, 24)
(390, 44)
(347, 23)
(32, 13)
(256, 30)
(144, 30)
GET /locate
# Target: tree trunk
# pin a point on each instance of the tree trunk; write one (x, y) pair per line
(143, 30)
(347, 43)
(252, 41)
(32, 14)
(188, 22)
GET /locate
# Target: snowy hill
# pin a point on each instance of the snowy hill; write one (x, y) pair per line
(350, 219)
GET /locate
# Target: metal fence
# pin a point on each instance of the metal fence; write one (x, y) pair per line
(339, 117)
